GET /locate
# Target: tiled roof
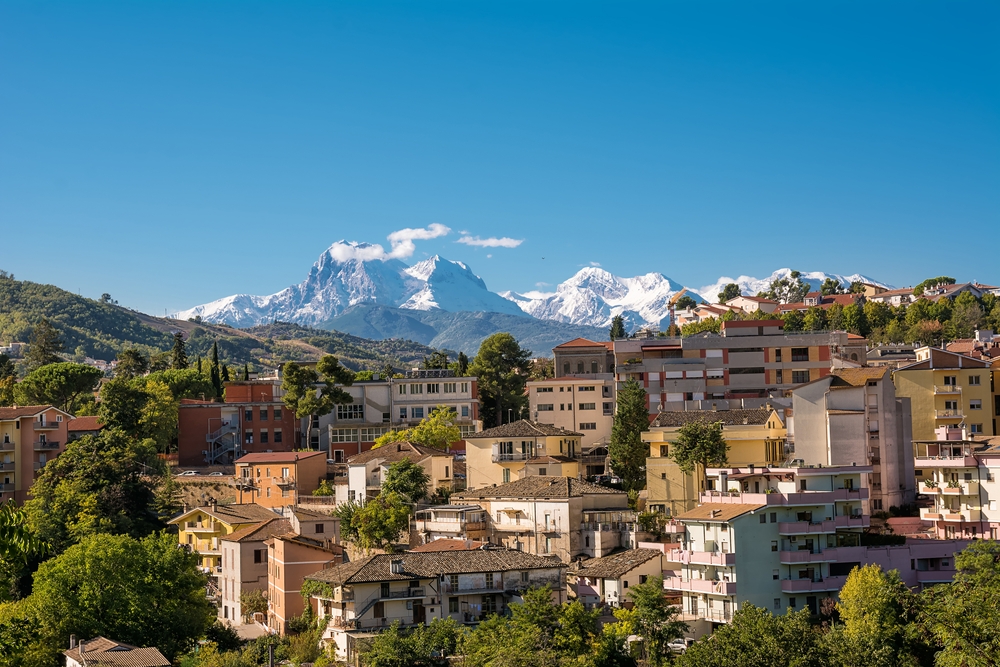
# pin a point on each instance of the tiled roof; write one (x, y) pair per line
(396, 451)
(18, 411)
(522, 428)
(431, 565)
(302, 540)
(230, 514)
(101, 651)
(538, 486)
(615, 565)
(277, 457)
(84, 424)
(304, 514)
(857, 377)
(579, 342)
(261, 531)
(738, 417)
(725, 512)
(446, 544)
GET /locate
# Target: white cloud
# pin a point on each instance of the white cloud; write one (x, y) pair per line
(491, 242)
(489, 256)
(595, 263)
(543, 284)
(401, 242)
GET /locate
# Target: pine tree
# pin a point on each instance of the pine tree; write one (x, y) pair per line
(617, 328)
(225, 373)
(180, 359)
(626, 449)
(44, 346)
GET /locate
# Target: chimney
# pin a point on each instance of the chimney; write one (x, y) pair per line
(72, 641)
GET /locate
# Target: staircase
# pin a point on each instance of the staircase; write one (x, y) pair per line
(222, 441)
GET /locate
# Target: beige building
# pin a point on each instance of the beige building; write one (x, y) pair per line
(366, 471)
(556, 516)
(751, 304)
(460, 522)
(585, 405)
(605, 581)
(202, 529)
(244, 565)
(519, 449)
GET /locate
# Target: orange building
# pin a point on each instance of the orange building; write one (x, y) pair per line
(278, 479)
(30, 437)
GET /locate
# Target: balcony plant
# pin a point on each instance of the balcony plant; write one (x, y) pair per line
(930, 484)
(952, 484)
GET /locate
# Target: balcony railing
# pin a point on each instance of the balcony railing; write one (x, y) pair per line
(699, 586)
(5, 467)
(501, 457)
(46, 445)
(818, 584)
(285, 481)
(38, 465)
(947, 389)
(4, 488)
(949, 414)
(6, 446)
(798, 498)
(717, 559)
(46, 425)
(498, 585)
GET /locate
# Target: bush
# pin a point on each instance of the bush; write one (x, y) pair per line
(223, 635)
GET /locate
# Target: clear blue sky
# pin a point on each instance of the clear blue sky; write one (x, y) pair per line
(171, 153)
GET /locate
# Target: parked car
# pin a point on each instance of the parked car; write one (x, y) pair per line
(216, 474)
(677, 645)
(188, 473)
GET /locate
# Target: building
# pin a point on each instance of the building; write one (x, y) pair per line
(752, 304)
(360, 598)
(278, 479)
(582, 358)
(518, 449)
(103, 652)
(556, 516)
(366, 471)
(943, 291)
(585, 405)
(450, 522)
(749, 359)
(605, 581)
(387, 404)
(244, 565)
(202, 529)
(820, 300)
(892, 355)
(894, 297)
(952, 470)
(448, 544)
(947, 389)
(30, 437)
(755, 436)
(853, 416)
(252, 418)
(81, 426)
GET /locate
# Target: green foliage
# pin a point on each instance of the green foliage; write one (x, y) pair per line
(931, 282)
(729, 291)
(60, 384)
(187, 383)
(255, 602)
(324, 489)
(855, 321)
(617, 330)
(757, 637)
(44, 346)
(223, 636)
(375, 525)
(305, 398)
(791, 289)
(131, 363)
(436, 430)
(178, 355)
(794, 321)
(685, 302)
(415, 648)
(699, 443)
(626, 449)
(710, 325)
(460, 366)
(503, 368)
(436, 360)
(406, 479)
(831, 286)
(364, 376)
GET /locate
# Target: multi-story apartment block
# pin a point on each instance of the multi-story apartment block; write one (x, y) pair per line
(383, 405)
(30, 437)
(748, 359)
(244, 565)
(853, 416)
(450, 522)
(252, 418)
(367, 470)
(279, 479)
(755, 436)
(202, 529)
(556, 516)
(952, 472)
(364, 596)
(947, 389)
(519, 449)
(583, 404)
(582, 358)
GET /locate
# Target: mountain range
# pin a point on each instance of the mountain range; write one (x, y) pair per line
(429, 301)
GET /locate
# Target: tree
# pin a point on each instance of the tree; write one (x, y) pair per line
(757, 637)
(215, 372)
(8, 387)
(794, 321)
(932, 282)
(503, 368)
(187, 383)
(790, 289)
(814, 319)
(143, 592)
(158, 420)
(305, 399)
(617, 330)
(179, 358)
(44, 346)
(253, 602)
(437, 430)
(131, 363)
(414, 648)
(59, 384)
(378, 523)
(831, 286)
(966, 315)
(699, 443)
(963, 616)
(122, 405)
(460, 366)
(854, 319)
(685, 302)
(436, 360)
(7, 369)
(543, 368)
(246, 372)
(626, 449)
(407, 480)
(729, 291)
(654, 620)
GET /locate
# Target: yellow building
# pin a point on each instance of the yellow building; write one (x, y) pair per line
(755, 436)
(520, 449)
(200, 529)
(947, 389)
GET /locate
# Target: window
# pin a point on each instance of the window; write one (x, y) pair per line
(664, 450)
(268, 494)
(277, 414)
(543, 390)
(465, 410)
(452, 605)
(416, 413)
(566, 368)
(351, 411)
(248, 415)
(489, 580)
(545, 407)
(774, 517)
(774, 545)
(489, 604)
(951, 405)
(593, 367)
(524, 577)
(402, 413)
(344, 434)
(950, 380)
(750, 370)
(284, 473)
(800, 377)
(800, 354)
(543, 471)
(663, 475)
(506, 475)
(548, 545)
(625, 584)
(777, 604)
(434, 388)
(263, 437)
(465, 387)
(416, 389)
(778, 379)
(802, 485)
(976, 404)
(585, 389)
(588, 426)
(763, 518)
(453, 582)
(976, 428)
(378, 611)
(579, 367)
(260, 555)
(449, 387)
(320, 527)
(974, 380)
(775, 575)
(588, 406)
(777, 354)
(371, 434)
(402, 389)
(791, 602)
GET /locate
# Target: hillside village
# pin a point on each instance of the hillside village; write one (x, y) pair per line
(814, 471)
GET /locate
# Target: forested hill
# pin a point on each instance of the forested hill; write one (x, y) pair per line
(101, 329)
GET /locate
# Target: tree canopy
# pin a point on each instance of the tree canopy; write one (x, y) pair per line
(502, 368)
(699, 443)
(44, 346)
(790, 289)
(406, 479)
(626, 450)
(436, 430)
(60, 384)
(729, 291)
(305, 398)
(617, 330)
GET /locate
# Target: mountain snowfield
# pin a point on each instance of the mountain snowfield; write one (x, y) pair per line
(592, 297)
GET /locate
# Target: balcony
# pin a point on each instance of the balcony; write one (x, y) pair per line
(6, 488)
(447, 589)
(963, 489)
(949, 414)
(201, 527)
(285, 482)
(812, 585)
(935, 576)
(7, 467)
(699, 586)
(46, 446)
(800, 498)
(823, 527)
(947, 389)
(931, 514)
(506, 457)
(831, 555)
(7, 446)
(946, 461)
(38, 465)
(44, 426)
(717, 559)
(962, 515)
(929, 490)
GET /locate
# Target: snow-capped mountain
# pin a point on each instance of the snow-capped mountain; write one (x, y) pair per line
(333, 285)
(750, 286)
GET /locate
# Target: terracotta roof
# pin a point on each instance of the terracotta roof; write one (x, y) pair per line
(579, 342)
(615, 565)
(432, 565)
(446, 544)
(278, 457)
(396, 451)
(102, 651)
(857, 377)
(304, 514)
(321, 545)
(18, 411)
(523, 428)
(756, 299)
(230, 514)
(725, 512)
(738, 417)
(894, 292)
(538, 486)
(84, 424)
(261, 531)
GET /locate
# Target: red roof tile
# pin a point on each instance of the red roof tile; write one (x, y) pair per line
(84, 424)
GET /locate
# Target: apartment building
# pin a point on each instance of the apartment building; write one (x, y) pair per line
(366, 471)
(583, 358)
(755, 436)
(952, 470)
(605, 581)
(753, 359)
(279, 479)
(202, 529)
(947, 389)
(519, 449)
(357, 599)
(449, 522)
(30, 437)
(387, 404)
(252, 418)
(555, 516)
(244, 565)
(582, 404)
(853, 416)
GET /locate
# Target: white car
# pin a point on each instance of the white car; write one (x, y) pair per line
(187, 473)
(677, 645)
(216, 474)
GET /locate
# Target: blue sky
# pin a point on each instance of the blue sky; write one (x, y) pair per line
(171, 153)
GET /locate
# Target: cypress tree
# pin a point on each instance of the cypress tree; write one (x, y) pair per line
(225, 373)
(199, 364)
(180, 359)
(215, 371)
(246, 372)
